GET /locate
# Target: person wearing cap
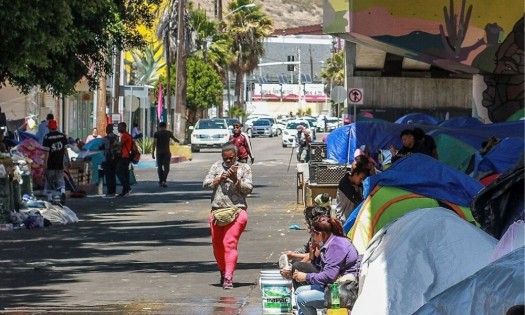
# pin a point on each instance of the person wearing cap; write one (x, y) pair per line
(302, 144)
(54, 144)
(242, 142)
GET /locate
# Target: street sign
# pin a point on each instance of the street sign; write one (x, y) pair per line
(355, 96)
(338, 94)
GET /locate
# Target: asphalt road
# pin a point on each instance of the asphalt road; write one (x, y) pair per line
(151, 253)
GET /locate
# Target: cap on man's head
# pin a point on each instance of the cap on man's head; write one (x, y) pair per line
(52, 124)
(300, 127)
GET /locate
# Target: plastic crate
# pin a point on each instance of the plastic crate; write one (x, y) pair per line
(318, 152)
(327, 173)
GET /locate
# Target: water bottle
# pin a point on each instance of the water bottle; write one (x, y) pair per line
(334, 296)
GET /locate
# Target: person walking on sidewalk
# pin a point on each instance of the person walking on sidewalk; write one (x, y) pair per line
(242, 142)
(231, 182)
(161, 144)
(123, 162)
(112, 155)
(54, 144)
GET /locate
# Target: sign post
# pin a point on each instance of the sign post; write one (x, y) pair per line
(338, 95)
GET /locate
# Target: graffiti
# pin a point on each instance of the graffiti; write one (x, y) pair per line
(504, 93)
(456, 30)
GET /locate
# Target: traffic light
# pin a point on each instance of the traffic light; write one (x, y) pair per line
(291, 67)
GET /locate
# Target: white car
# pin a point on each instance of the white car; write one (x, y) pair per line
(209, 133)
(290, 131)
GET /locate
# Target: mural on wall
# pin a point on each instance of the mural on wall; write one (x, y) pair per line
(504, 93)
(475, 37)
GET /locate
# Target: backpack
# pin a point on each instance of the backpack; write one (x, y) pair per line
(115, 148)
(134, 153)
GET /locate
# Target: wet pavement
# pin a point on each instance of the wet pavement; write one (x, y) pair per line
(151, 253)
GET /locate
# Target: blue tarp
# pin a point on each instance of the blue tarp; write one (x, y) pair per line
(343, 141)
(426, 176)
(417, 118)
(502, 156)
(22, 135)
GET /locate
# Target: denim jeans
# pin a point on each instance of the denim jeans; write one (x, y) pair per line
(310, 298)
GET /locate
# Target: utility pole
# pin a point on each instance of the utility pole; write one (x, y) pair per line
(218, 10)
(101, 103)
(168, 77)
(180, 96)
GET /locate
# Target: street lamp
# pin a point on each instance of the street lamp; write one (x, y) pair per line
(249, 5)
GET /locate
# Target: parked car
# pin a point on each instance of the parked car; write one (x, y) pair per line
(209, 133)
(311, 120)
(275, 129)
(262, 127)
(232, 121)
(331, 123)
(290, 131)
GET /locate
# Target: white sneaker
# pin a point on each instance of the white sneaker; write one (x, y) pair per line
(284, 263)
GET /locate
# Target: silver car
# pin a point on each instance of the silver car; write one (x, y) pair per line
(262, 127)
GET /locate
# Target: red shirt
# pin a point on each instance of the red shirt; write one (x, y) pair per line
(242, 144)
(125, 142)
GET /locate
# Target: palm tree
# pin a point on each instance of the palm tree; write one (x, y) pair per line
(247, 25)
(211, 44)
(335, 69)
(146, 65)
(167, 30)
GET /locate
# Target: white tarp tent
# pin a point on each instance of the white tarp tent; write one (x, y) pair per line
(492, 290)
(418, 256)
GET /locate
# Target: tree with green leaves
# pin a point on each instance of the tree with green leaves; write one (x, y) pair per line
(211, 45)
(53, 44)
(334, 71)
(248, 25)
(204, 88)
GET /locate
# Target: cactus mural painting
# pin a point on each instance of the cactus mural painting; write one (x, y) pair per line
(479, 37)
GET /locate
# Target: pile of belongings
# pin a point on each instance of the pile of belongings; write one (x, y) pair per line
(38, 214)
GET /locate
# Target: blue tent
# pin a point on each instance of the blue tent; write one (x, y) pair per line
(417, 118)
(426, 176)
(503, 156)
(343, 141)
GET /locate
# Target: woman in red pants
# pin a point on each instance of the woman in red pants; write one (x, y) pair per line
(231, 182)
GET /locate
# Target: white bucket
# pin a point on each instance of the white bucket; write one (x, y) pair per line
(276, 292)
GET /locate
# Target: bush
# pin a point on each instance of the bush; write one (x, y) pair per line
(145, 145)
